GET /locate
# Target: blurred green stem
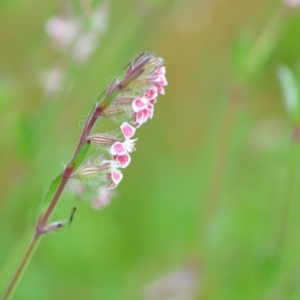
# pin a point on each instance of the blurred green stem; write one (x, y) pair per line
(22, 266)
(215, 187)
(292, 173)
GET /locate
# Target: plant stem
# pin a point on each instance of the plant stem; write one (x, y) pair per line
(76, 160)
(29, 252)
(45, 217)
(292, 166)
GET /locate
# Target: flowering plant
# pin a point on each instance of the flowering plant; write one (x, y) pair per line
(129, 100)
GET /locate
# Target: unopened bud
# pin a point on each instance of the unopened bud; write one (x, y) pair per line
(153, 65)
(113, 111)
(123, 101)
(55, 227)
(87, 172)
(59, 225)
(153, 74)
(102, 140)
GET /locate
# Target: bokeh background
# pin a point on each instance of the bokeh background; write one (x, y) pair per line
(209, 207)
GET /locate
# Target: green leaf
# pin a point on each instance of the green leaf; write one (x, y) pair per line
(51, 192)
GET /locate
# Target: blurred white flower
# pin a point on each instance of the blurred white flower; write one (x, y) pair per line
(100, 18)
(179, 285)
(85, 46)
(103, 197)
(267, 135)
(62, 30)
(292, 3)
(87, 42)
(52, 81)
(69, 33)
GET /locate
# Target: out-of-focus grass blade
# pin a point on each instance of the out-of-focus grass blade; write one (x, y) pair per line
(290, 90)
(240, 51)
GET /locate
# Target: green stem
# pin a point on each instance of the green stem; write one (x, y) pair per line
(44, 219)
(292, 173)
(22, 266)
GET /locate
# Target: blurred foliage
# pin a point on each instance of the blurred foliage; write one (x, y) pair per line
(208, 208)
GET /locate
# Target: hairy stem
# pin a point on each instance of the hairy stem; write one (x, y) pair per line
(78, 156)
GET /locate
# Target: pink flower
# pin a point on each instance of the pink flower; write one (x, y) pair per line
(116, 176)
(154, 73)
(113, 174)
(143, 107)
(103, 198)
(120, 150)
(159, 79)
(148, 98)
(143, 115)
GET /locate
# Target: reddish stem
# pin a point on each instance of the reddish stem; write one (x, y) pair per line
(42, 222)
(30, 250)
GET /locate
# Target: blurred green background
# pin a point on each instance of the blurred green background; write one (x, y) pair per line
(209, 207)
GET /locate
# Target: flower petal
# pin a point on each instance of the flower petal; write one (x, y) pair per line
(127, 130)
(161, 71)
(118, 149)
(103, 198)
(130, 145)
(142, 116)
(123, 160)
(152, 93)
(160, 89)
(116, 176)
(151, 110)
(138, 104)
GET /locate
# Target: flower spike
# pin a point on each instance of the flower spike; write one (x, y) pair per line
(129, 100)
